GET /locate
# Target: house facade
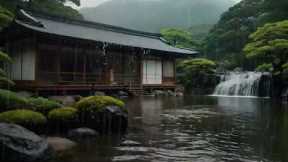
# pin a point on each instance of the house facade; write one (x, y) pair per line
(63, 55)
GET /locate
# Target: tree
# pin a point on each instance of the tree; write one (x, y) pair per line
(179, 37)
(76, 2)
(55, 7)
(269, 44)
(5, 17)
(4, 80)
(52, 7)
(197, 74)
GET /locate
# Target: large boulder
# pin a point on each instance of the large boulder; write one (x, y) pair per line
(18, 144)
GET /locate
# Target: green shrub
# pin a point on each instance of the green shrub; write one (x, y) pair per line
(5, 17)
(10, 100)
(43, 105)
(22, 117)
(97, 103)
(63, 114)
(264, 68)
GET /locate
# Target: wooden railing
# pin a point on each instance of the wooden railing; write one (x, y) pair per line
(129, 80)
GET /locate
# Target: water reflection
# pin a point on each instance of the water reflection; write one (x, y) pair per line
(198, 129)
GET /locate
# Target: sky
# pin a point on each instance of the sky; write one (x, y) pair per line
(93, 3)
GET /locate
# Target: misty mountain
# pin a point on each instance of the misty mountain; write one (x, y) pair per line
(152, 15)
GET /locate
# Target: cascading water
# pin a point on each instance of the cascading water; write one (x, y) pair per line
(242, 84)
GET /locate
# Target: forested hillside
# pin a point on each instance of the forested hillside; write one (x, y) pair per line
(153, 15)
(226, 40)
(54, 7)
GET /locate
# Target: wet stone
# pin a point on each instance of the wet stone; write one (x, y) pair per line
(19, 144)
(60, 144)
(82, 133)
(130, 143)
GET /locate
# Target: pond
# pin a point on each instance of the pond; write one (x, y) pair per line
(195, 129)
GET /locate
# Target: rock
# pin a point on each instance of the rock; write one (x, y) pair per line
(19, 144)
(130, 143)
(24, 94)
(109, 119)
(82, 133)
(179, 94)
(115, 118)
(77, 98)
(159, 93)
(171, 93)
(99, 93)
(65, 100)
(60, 144)
(123, 94)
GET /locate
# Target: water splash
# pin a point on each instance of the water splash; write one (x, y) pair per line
(239, 84)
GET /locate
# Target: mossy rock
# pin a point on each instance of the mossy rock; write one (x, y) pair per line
(10, 100)
(43, 105)
(63, 114)
(23, 117)
(102, 113)
(98, 103)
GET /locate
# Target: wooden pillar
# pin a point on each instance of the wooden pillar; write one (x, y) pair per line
(37, 52)
(58, 60)
(84, 66)
(75, 53)
(174, 64)
(141, 59)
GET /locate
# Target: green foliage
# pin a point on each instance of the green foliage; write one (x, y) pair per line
(198, 65)
(63, 114)
(269, 44)
(264, 68)
(199, 32)
(76, 2)
(227, 39)
(285, 67)
(4, 80)
(4, 57)
(10, 100)
(196, 73)
(178, 37)
(23, 117)
(97, 103)
(43, 105)
(5, 17)
(52, 7)
(56, 8)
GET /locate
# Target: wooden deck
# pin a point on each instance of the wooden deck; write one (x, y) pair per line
(63, 89)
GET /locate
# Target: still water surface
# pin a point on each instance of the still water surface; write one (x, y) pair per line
(195, 129)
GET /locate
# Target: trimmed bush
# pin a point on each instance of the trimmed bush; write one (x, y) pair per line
(43, 105)
(23, 117)
(63, 114)
(98, 103)
(10, 100)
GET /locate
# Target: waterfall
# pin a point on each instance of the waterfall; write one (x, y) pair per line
(242, 84)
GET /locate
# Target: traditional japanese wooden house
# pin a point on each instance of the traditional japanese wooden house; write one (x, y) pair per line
(63, 55)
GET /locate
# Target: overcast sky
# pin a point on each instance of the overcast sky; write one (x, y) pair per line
(93, 3)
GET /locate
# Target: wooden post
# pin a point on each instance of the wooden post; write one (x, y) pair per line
(37, 51)
(163, 77)
(84, 66)
(58, 61)
(141, 59)
(174, 64)
(75, 62)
